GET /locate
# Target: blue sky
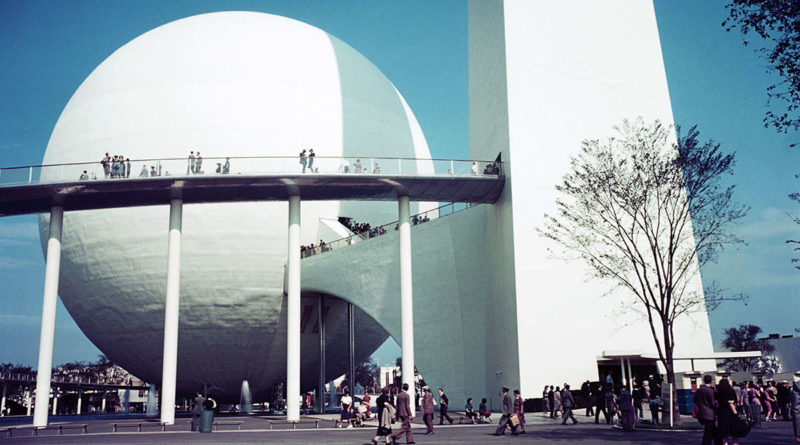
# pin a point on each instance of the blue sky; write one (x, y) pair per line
(48, 47)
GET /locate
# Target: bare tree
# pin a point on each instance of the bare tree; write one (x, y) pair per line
(646, 213)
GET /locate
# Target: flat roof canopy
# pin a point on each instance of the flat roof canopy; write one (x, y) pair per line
(640, 354)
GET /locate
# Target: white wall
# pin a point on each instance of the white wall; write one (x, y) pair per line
(572, 70)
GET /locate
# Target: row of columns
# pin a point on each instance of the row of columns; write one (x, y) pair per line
(172, 305)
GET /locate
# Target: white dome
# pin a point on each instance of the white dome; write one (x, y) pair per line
(223, 84)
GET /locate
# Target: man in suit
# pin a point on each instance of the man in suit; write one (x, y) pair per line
(625, 407)
(443, 402)
(704, 400)
(197, 411)
(427, 409)
(567, 403)
(600, 404)
(508, 409)
(405, 414)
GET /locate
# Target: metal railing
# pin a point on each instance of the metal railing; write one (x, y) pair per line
(65, 379)
(143, 169)
(373, 232)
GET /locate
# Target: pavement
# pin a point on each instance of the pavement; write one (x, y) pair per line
(318, 429)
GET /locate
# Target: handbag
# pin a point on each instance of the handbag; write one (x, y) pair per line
(740, 427)
(696, 411)
(514, 420)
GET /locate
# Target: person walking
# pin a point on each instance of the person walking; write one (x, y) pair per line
(551, 401)
(545, 402)
(311, 156)
(586, 393)
(611, 404)
(794, 410)
(405, 414)
(726, 407)
(599, 404)
(197, 411)
(508, 409)
(519, 410)
(567, 403)
(386, 412)
(303, 160)
(704, 401)
(427, 409)
(626, 409)
(443, 402)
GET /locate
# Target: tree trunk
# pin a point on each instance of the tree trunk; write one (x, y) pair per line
(676, 412)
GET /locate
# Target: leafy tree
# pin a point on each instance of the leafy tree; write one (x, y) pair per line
(776, 23)
(745, 338)
(795, 197)
(367, 374)
(644, 213)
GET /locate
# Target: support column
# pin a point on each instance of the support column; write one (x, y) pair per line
(28, 401)
(622, 367)
(169, 370)
(3, 401)
(351, 341)
(103, 402)
(80, 400)
(293, 313)
(55, 401)
(47, 337)
(321, 325)
(630, 378)
(406, 299)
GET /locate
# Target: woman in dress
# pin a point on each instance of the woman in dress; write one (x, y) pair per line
(483, 411)
(545, 405)
(557, 402)
(346, 404)
(519, 410)
(386, 412)
(727, 415)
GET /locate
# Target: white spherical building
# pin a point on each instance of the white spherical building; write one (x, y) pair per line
(224, 84)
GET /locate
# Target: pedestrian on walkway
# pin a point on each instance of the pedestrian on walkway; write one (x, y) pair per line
(427, 409)
(508, 409)
(386, 413)
(704, 401)
(443, 402)
(519, 410)
(600, 404)
(626, 415)
(405, 414)
(586, 392)
(794, 410)
(567, 403)
(197, 411)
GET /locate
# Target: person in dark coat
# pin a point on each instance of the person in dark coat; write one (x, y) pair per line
(406, 415)
(600, 404)
(626, 409)
(427, 409)
(794, 410)
(197, 411)
(384, 427)
(704, 400)
(551, 400)
(508, 409)
(726, 406)
(443, 402)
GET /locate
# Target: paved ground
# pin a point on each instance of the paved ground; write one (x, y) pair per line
(256, 430)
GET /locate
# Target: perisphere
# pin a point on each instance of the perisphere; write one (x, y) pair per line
(227, 84)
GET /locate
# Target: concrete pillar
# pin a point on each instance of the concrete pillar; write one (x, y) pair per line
(47, 337)
(293, 313)
(630, 377)
(80, 402)
(351, 351)
(55, 401)
(321, 325)
(170, 363)
(103, 403)
(28, 401)
(3, 401)
(406, 298)
(622, 367)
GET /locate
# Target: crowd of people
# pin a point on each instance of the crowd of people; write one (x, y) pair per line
(728, 410)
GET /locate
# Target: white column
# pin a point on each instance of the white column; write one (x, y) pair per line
(293, 313)
(406, 300)
(3, 402)
(169, 370)
(28, 401)
(622, 367)
(48, 316)
(630, 377)
(55, 402)
(80, 399)
(103, 403)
